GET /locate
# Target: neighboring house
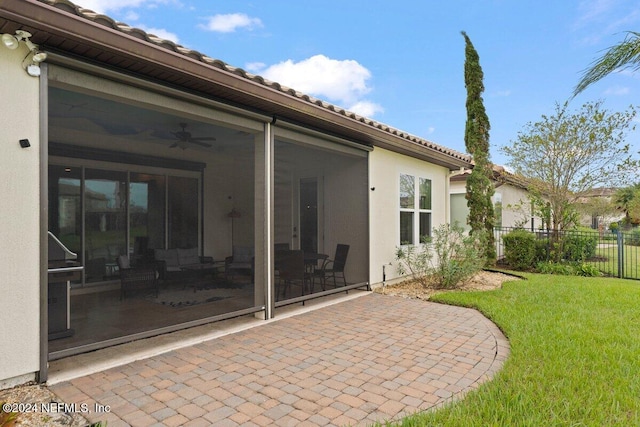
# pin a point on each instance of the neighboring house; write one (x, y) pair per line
(597, 210)
(511, 203)
(120, 140)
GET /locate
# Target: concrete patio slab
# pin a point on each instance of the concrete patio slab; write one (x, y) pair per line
(357, 361)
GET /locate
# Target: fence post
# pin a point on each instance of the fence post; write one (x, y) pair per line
(620, 236)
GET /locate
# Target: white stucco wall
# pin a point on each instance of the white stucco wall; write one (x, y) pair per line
(19, 221)
(516, 206)
(385, 168)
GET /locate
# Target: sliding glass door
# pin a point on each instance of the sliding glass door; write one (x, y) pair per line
(101, 214)
(183, 212)
(105, 199)
(147, 219)
(65, 206)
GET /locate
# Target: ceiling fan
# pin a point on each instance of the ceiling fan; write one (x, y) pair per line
(184, 138)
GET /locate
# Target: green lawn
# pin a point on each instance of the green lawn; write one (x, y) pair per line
(609, 263)
(575, 355)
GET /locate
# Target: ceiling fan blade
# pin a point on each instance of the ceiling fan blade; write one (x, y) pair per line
(203, 144)
(204, 138)
(182, 135)
(174, 145)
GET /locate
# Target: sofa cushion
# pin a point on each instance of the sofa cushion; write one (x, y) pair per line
(169, 256)
(188, 256)
(242, 254)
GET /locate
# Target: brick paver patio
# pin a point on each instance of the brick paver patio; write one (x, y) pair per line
(372, 358)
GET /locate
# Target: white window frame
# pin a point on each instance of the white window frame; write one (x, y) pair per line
(415, 209)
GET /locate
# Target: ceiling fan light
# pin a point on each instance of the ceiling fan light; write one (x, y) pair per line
(10, 41)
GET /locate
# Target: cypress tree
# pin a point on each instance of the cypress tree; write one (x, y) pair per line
(476, 138)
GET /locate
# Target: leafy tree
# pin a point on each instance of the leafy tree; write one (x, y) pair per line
(628, 200)
(567, 153)
(625, 54)
(476, 137)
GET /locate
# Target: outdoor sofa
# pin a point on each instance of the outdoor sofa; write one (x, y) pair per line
(178, 263)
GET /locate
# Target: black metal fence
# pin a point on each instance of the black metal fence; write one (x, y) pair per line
(614, 254)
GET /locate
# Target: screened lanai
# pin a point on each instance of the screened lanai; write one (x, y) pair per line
(177, 187)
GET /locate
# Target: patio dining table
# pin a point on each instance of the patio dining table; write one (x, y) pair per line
(311, 266)
(311, 260)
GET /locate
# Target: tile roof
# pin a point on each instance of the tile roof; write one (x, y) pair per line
(104, 20)
(500, 175)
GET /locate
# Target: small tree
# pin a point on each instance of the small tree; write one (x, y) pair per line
(567, 154)
(476, 138)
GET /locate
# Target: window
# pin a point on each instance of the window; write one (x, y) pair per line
(415, 209)
(407, 209)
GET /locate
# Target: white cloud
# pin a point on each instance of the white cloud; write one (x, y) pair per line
(339, 81)
(131, 16)
(228, 23)
(617, 91)
(592, 10)
(599, 19)
(159, 32)
(628, 73)
(101, 6)
(366, 108)
(255, 67)
(126, 9)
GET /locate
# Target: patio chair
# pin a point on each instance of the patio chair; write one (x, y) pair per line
(136, 277)
(242, 261)
(281, 247)
(332, 268)
(280, 250)
(291, 272)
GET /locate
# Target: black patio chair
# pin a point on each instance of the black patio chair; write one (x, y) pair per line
(334, 268)
(291, 271)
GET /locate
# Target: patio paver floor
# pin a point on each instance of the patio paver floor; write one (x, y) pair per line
(358, 361)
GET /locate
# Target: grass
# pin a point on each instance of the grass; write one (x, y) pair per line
(575, 355)
(610, 264)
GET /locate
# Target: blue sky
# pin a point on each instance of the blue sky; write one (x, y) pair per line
(401, 62)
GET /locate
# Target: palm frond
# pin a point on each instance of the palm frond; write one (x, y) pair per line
(625, 54)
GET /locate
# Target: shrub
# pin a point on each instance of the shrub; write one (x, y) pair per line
(579, 245)
(542, 252)
(414, 261)
(568, 268)
(448, 259)
(520, 249)
(633, 238)
(588, 270)
(550, 267)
